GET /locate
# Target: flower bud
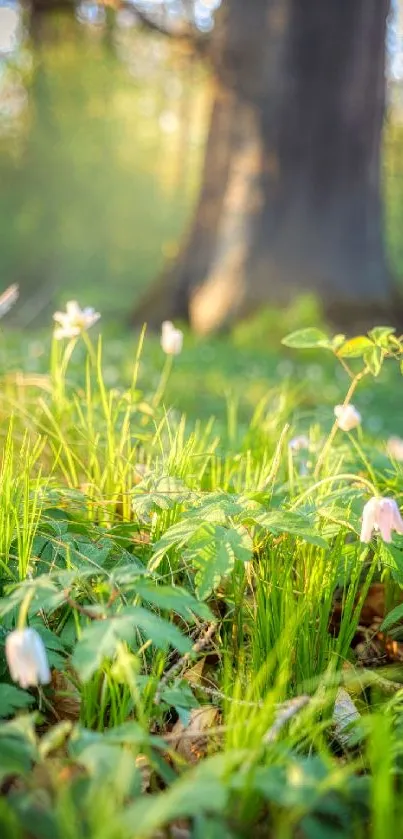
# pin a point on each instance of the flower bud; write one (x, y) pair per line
(171, 338)
(347, 417)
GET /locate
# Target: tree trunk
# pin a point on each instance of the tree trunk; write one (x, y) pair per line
(290, 199)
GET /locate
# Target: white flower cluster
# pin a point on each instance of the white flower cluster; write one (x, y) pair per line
(74, 320)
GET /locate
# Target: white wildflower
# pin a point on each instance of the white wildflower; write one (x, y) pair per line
(383, 515)
(74, 320)
(347, 417)
(8, 298)
(26, 658)
(394, 448)
(171, 338)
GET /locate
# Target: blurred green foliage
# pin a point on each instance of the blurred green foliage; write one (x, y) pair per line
(99, 171)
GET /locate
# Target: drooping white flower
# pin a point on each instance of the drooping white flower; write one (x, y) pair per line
(74, 320)
(26, 658)
(171, 338)
(383, 515)
(394, 448)
(299, 443)
(347, 417)
(8, 298)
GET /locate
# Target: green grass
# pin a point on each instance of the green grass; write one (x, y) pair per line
(186, 568)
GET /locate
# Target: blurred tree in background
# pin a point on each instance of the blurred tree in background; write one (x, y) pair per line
(291, 192)
(102, 128)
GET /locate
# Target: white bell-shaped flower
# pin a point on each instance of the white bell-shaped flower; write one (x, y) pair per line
(380, 515)
(26, 658)
(74, 320)
(347, 417)
(171, 338)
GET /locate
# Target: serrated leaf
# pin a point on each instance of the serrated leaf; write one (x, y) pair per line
(160, 493)
(307, 339)
(296, 525)
(213, 551)
(355, 347)
(175, 536)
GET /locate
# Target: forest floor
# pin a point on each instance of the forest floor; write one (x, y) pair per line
(183, 535)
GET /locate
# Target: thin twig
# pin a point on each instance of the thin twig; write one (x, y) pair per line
(186, 35)
(82, 609)
(198, 646)
(289, 710)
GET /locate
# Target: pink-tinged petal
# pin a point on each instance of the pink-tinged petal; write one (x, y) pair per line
(397, 519)
(394, 448)
(366, 531)
(385, 518)
(369, 515)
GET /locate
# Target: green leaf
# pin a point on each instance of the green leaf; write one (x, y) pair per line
(172, 599)
(13, 699)
(292, 523)
(17, 746)
(156, 494)
(307, 339)
(43, 591)
(201, 790)
(213, 551)
(373, 359)
(100, 640)
(393, 617)
(15, 757)
(381, 334)
(175, 536)
(355, 347)
(337, 341)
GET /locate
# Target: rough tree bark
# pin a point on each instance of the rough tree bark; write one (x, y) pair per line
(290, 199)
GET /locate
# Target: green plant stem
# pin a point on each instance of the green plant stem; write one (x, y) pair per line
(349, 395)
(23, 613)
(166, 372)
(349, 476)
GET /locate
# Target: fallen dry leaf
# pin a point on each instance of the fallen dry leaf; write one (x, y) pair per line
(191, 742)
(66, 698)
(344, 715)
